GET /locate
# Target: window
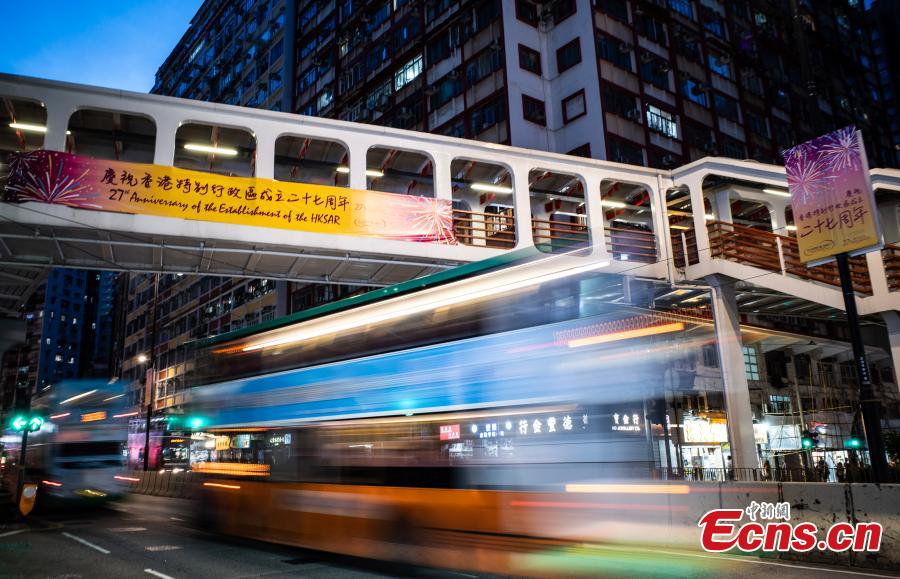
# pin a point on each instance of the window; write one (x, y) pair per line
(688, 45)
(562, 9)
(487, 116)
(727, 107)
(408, 73)
(652, 29)
(486, 63)
(615, 51)
(619, 102)
(582, 151)
(568, 56)
(710, 357)
(720, 64)
(682, 7)
(534, 110)
(573, 107)
(732, 148)
(527, 12)
(751, 363)
(625, 152)
(618, 9)
(655, 71)
(662, 122)
(757, 124)
(529, 59)
(694, 91)
(445, 89)
(778, 404)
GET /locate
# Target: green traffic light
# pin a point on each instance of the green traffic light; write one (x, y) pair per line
(807, 442)
(853, 443)
(196, 422)
(19, 422)
(23, 422)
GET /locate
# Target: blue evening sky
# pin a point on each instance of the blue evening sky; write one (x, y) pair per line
(116, 44)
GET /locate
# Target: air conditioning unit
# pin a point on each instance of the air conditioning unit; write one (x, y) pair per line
(723, 59)
(668, 160)
(646, 57)
(431, 90)
(625, 47)
(634, 115)
(364, 114)
(405, 113)
(665, 67)
(684, 75)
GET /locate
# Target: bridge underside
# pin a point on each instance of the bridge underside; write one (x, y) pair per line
(28, 246)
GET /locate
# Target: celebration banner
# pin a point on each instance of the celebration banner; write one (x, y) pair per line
(138, 189)
(831, 196)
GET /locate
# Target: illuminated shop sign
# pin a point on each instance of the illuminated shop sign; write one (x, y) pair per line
(449, 431)
(94, 416)
(705, 430)
(626, 422)
(280, 439)
(531, 426)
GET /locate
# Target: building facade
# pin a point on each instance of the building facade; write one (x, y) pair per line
(69, 334)
(658, 83)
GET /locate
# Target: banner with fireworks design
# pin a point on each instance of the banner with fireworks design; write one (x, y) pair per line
(138, 189)
(831, 196)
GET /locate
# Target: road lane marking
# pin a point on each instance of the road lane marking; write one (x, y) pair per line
(128, 529)
(157, 548)
(87, 543)
(158, 574)
(176, 519)
(11, 533)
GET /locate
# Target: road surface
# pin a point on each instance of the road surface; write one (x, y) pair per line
(151, 537)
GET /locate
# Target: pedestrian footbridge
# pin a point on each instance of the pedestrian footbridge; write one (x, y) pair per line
(714, 217)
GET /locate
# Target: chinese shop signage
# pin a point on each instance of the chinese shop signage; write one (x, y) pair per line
(449, 431)
(87, 183)
(831, 196)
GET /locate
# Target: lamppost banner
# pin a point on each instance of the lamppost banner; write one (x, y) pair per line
(831, 196)
(140, 189)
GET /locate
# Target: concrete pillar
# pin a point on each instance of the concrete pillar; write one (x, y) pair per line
(595, 218)
(737, 393)
(166, 129)
(722, 204)
(522, 197)
(358, 151)
(58, 113)
(441, 176)
(776, 214)
(892, 319)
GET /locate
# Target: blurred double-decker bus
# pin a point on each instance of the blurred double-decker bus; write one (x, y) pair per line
(466, 419)
(78, 453)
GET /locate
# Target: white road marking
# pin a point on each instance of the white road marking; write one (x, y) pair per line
(158, 574)
(176, 519)
(86, 543)
(128, 529)
(156, 548)
(16, 532)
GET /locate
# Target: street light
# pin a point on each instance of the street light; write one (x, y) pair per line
(142, 358)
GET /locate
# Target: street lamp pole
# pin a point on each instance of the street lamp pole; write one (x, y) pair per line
(151, 373)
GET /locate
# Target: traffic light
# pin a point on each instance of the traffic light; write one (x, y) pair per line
(195, 422)
(31, 423)
(811, 440)
(853, 443)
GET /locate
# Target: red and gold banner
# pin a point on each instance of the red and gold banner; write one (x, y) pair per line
(139, 189)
